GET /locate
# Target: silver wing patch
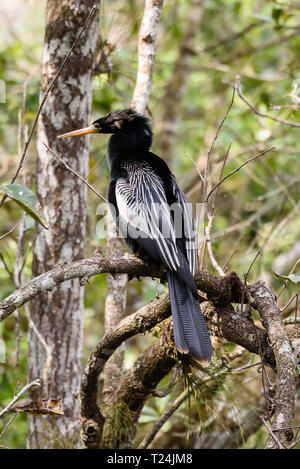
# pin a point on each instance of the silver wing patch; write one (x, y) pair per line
(189, 228)
(143, 206)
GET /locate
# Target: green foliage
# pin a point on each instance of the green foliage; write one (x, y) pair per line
(294, 278)
(118, 422)
(209, 388)
(27, 200)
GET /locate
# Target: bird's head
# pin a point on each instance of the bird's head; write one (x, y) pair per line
(120, 122)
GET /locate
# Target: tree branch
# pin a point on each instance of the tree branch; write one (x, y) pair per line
(221, 291)
(146, 53)
(82, 269)
(285, 387)
(142, 320)
(223, 321)
(116, 285)
(36, 383)
(263, 114)
(164, 418)
(134, 389)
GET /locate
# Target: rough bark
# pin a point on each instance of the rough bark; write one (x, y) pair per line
(221, 291)
(283, 406)
(115, 425)
(115, 306)
(225, 322)
(221, 319)
(58, 316)
(146, 53)
(232, 326)
(92, 420)
(120, 428)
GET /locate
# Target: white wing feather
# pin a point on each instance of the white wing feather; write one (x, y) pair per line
(143, 206)
(189, 228)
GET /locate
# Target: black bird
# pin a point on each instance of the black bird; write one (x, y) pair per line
(153, 215)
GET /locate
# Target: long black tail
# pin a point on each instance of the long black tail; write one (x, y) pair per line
(190, 332)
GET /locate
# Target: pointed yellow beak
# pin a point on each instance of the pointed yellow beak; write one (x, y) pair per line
(86, 130)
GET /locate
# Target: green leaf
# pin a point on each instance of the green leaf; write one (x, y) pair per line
(294, 278)
(147, 418)
(27, 200)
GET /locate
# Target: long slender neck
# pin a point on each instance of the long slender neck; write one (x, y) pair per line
(129, 145)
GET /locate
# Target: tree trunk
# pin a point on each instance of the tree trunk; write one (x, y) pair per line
(115, 307)
(55, 343)
(116, 285)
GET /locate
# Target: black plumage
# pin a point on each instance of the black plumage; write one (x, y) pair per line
(152, 214)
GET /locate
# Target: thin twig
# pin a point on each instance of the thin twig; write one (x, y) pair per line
(296, 309)
(48, 348)
(245, 367)
(35, 383)
(221, 172)
(210, 215)
(213, 260)
(207, 231)
(53, 218)
(214, 140)
(163, 419)
(237, 169)
(169, 388)
(294, 444)
(288, 303)
(262, 114)
(74, 172)
(7, 425)
(246, 277)
(196, 167)
(11, 276)
(10, 231)
(286, 281)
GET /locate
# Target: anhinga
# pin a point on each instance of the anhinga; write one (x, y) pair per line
(144, 192)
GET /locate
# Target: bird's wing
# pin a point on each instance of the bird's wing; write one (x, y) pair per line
(143, 206)
(188, 229)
